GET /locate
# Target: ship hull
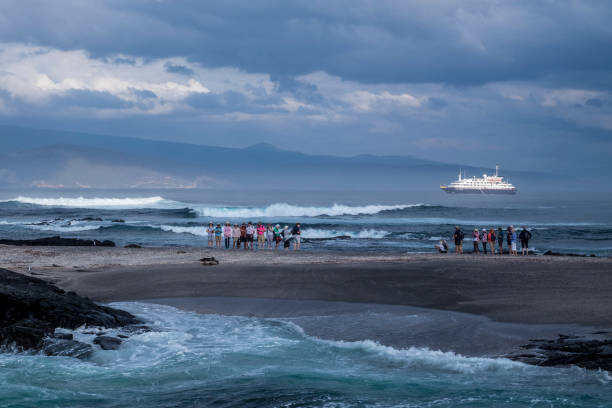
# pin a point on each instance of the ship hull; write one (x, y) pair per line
(452, 190)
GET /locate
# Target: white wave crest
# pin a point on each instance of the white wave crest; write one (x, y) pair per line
(325, 233)
(63, 228)
(199, 231)
(95, 202)
(421, 357)
(288, 210)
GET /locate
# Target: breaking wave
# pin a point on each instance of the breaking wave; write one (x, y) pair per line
(96, 202)
(327, 233)
(288, 210)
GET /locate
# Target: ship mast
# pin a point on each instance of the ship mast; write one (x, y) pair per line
(496, 170)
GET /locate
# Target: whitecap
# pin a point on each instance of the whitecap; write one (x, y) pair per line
(100, 202)
(288, 210)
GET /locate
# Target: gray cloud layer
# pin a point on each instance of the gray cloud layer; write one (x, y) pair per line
(522, 83)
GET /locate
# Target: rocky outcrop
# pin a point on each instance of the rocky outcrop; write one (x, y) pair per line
(31, 309)
(590, 352)
(57, 241)
(107, 342)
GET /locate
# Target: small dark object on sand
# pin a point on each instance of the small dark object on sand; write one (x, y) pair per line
(57, 241)
(107, 342)
(209, 261)
(551, 253)
(132, 246)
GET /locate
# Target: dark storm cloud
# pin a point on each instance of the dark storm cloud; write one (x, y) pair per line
(522, 83)
(373, 41)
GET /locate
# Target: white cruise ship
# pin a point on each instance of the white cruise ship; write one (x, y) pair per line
(484, 185)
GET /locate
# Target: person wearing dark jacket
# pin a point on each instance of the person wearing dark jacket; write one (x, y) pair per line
(458, 238)
(500, 240)
(296, 234)
(525, 236)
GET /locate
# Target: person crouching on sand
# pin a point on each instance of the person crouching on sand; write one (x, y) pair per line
(227, 234)
(235, 236)
(458, 238)
(442, 247)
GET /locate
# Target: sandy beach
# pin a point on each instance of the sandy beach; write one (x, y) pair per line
(535, 289)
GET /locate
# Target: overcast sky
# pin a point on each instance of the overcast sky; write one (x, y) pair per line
(525, 84)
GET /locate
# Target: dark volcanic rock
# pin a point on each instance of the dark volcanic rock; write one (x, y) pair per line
(118, 220)
(68, 348)
(107, 342)
(63, 336)
(590, 353)
(31, 309)
(57, 241)
(91, 219)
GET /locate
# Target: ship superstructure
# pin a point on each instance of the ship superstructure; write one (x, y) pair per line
(485, 185)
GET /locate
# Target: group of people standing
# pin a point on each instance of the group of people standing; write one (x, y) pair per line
(248, 234)
(491, 240)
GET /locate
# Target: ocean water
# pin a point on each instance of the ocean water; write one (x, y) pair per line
(374, 221)
(192, 360)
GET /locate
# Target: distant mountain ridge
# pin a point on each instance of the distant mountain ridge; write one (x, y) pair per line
(33, 157)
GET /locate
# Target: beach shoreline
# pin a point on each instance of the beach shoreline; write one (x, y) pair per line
(472, 305)
(534, 289)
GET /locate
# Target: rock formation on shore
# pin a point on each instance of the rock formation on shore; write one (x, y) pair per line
(31, 309)
(592, 352)
(57, 241)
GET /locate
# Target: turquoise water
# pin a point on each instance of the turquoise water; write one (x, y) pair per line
(193, 360)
